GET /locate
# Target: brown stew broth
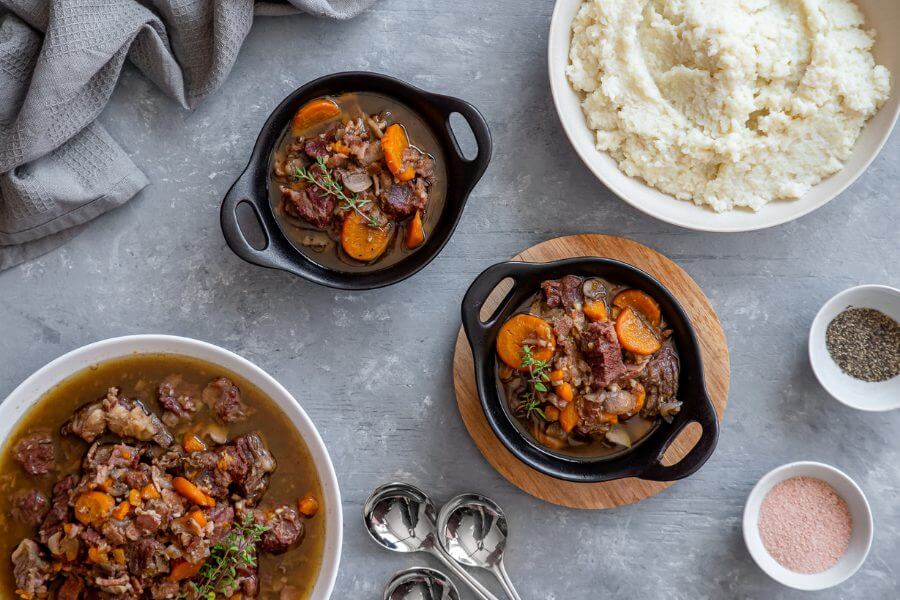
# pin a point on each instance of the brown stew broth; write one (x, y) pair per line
(638, 427)
(138, 376)
(324, 247)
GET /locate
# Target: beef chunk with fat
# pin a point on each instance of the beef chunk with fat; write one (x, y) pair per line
(176, 398)
(660, 379)
(126, 417)
(285, 530)
(247, 463)
(310, 204)
(35, 452)
(29, 507)
(224, 398)
(31, 571)
(565, 292)
(400, 200)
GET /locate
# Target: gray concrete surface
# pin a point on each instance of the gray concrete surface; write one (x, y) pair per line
(374, 369)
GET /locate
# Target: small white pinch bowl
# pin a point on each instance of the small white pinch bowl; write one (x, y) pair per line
(860, 538)
(882, 15)
(855, 393)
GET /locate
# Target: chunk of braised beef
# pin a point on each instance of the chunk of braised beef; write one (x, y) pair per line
(146, 558)
(565, 292)
(29, 507)
(417, 160)
(401, 201)
(117, 586)
(35, 452)
(247, 463)
(247, 581)
(71, 589)
(224, 398)
(285, 530)
(59, 507)
(126, 417)
(310, 204)
(600, 346)
(315, 148)
(165, 590)
(176, 398)
(31, 571)
(111, 465)
(660, 379)
(222, 517)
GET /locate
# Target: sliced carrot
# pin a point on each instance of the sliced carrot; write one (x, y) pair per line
(341, 148)
(192, 443)
(313, 112)
(149, 492)
(595, 310)
(641, 302)
(609, 418)
(556, 375)
(183, 569)
(192, 492)
(525, 330)
(415, 232)
(93, 508)
(122, 510)
(547, 440)
(361, 241)
(134, 497)
(565, 391)
(551, 413)
(308, 506)
(119, 555)
(640, 395)
(634, 334)
(393, 143)
(568, 418)
(198, 517)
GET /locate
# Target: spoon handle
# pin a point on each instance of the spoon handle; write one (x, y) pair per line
(500, 573)
(482, 592)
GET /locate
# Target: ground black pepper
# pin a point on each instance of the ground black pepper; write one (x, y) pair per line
(865, 344)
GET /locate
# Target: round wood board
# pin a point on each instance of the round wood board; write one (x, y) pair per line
(715, 364)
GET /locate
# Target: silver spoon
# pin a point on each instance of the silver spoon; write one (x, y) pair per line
(472, 529)
(401, 518)
(420, 583)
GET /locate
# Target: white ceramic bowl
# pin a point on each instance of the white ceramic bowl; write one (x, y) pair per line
(883, 15)
(860, 540)
(33, 388)
(864, 395)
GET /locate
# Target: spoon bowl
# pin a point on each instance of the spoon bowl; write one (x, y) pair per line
(472, 529)
(420, 583)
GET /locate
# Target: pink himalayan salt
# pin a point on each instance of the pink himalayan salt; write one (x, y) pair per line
(805, 525)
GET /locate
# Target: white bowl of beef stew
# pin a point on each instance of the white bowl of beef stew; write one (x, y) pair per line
(256, 473)
(622, 346)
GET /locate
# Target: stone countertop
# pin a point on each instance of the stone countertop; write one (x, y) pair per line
(373, 369)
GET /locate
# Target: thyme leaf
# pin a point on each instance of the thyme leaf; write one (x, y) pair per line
(325, 181)
(537, 382)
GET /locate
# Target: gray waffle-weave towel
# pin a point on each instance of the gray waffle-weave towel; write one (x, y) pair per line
(59, 63)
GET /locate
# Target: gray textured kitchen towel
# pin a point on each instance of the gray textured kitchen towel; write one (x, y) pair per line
(59, 63)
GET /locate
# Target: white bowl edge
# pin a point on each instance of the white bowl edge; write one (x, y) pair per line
(883, 16)
(41, 381)
(860, 540)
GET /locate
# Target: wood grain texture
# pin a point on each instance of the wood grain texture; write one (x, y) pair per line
(715, 363)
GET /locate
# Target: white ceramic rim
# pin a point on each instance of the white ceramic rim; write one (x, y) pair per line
(34, 387)
(560, 31)
(817, 354)
(858, 504)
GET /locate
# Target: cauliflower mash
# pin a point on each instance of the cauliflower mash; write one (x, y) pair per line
(728, 103)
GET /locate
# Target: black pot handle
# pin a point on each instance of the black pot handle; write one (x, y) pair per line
(473, 168)
(242, 191)
(477, 330)
(697, 455)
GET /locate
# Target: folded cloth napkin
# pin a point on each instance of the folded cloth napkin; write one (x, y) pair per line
(59, 63)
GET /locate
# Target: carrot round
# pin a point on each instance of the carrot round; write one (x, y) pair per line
(192, 492)
(93, 508)
(635, 335)
(525, 330)
(415, 232)
(393, 143)
(551, 413)
(314, 111)
(362, 242)
(183, 569)
(308, 506)
(595, 310)
(641, 302)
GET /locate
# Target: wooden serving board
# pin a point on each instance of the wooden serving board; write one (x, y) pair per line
(715, 363)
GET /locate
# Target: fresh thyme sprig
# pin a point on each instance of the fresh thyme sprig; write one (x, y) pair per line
(326, 182)
(537, 379)
(237, 549)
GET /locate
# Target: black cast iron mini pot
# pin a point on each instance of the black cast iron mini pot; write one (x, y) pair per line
(643, 460)
(252, 186)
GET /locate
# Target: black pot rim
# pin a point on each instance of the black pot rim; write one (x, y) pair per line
(644, 459)
(251, 186)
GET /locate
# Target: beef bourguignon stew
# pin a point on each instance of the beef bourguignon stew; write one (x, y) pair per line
(587, 367)
(357, 181)
(162, 477)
